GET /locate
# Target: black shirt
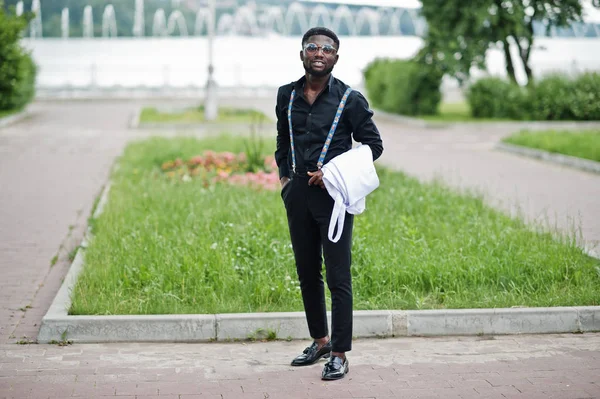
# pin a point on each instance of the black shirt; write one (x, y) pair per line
(311, 124)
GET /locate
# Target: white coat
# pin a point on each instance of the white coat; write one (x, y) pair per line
(349, 178)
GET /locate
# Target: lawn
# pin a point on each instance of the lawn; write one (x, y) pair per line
(196, 115)
(583, 144)
(172, 242)
(457, 112)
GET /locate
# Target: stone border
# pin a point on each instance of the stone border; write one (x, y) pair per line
(575, 162)
(58, 326)
(14, 118)
(531, 125)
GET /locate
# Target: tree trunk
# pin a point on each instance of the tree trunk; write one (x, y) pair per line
(524, 54)
(510, 67)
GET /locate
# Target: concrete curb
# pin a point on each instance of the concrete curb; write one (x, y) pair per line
(579, 163)
(58, 326)
(14, 118)
(517, 125)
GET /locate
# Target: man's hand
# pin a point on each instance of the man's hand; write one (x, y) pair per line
(284, 180)
(316, 178)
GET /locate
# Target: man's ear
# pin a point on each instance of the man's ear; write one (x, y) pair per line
(301, 55)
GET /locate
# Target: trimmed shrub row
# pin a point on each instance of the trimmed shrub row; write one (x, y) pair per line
(554, 97)
(403, 86)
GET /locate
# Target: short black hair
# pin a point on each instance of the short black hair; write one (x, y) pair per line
(319, 30)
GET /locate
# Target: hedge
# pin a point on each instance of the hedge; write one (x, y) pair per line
(403, 86)
(17, 69)
(554, 97)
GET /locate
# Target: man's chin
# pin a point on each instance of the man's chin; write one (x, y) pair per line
(318, 73)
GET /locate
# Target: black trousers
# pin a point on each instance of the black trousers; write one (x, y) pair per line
(309, 211)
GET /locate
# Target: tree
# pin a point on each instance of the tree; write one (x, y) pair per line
(459, 36)
(17, 70)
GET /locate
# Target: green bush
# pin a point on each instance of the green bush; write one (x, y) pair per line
(403, 86)
(551, 98)
(375, 80)
(17, 69)
(497, 98)
(555, 97)
(586, 97)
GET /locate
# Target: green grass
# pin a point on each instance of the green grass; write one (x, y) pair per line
(196, 115)
(166, 246)
(584, 144)
(5, 113)
(456, 112)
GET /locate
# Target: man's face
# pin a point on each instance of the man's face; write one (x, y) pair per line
(319, 55)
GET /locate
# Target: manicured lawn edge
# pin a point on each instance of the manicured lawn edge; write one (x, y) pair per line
(9, 118)
(58, 326)
(559, 159)
(418, 122)
(137, 122)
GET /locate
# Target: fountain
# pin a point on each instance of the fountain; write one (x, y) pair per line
(367, 17)
(203, 19)
(159, 24)
(109, 22)
(35, 27)
(138, 19)
(344, 14)
(273, 20)
(177, 20)
(286, 20)
(64, 23)
(88, 22)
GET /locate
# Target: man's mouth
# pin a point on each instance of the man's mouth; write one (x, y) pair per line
(318, 63)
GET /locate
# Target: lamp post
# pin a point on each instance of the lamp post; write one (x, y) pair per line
(210, 103)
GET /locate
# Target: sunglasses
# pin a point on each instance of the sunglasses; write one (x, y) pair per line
(312, 48)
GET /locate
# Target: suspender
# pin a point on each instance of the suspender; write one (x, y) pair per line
(336, 120)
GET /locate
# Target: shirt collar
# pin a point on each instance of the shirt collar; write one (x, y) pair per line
(300, 82)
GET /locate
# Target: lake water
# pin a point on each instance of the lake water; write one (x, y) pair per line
(254, 62)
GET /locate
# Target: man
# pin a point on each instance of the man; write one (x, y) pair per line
(311, 104)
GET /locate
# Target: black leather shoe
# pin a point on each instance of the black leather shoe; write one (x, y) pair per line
(335, 368)
(312, 354)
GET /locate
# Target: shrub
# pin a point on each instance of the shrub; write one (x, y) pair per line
(497, 98)
(375, 80)
(586, 97)
(403, 86)
(551, 98)
(555, 97)
(17, 69)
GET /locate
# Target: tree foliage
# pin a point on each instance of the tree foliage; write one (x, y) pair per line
(17, 70)
(459, 34)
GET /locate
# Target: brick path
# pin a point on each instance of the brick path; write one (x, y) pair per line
(52, 167)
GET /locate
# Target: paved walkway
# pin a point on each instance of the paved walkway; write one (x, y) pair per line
(52, 167)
